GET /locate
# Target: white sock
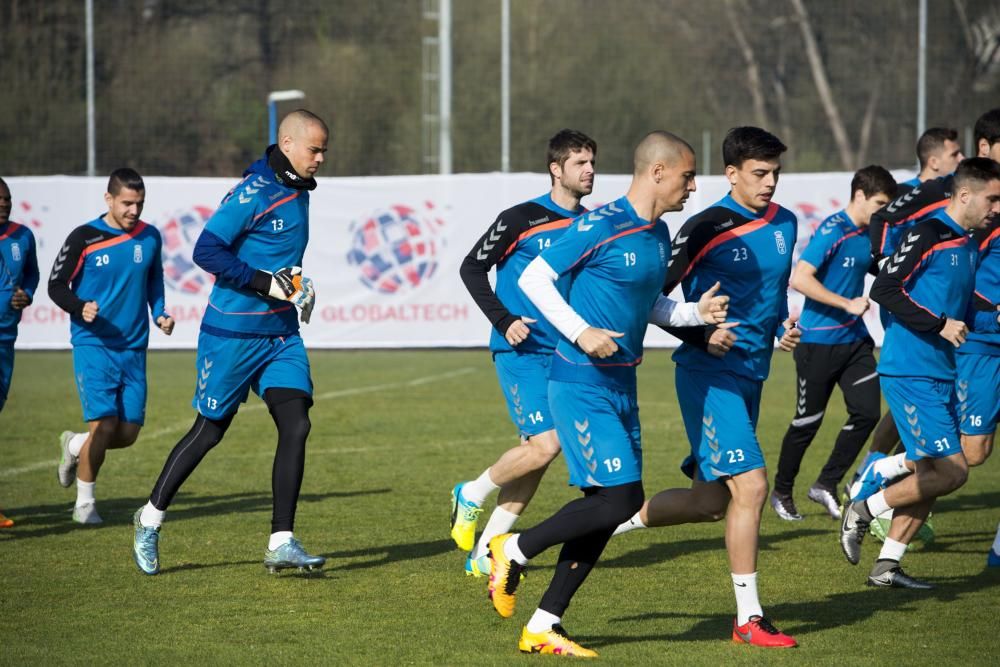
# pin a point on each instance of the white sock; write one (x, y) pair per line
(278, 538)
(513, 552)
(892, 550)
(632, 524)
(877, 504)
(150, 517)
(501, 521)
(996, 541)
(747, 604)
(76, 443)
(84, 492)
(478, 489)
(892, 467)
(542, 620)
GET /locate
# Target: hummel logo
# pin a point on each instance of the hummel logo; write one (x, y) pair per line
(89, 241)
(532, 223)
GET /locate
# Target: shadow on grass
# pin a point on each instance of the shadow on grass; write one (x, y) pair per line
(392, 553)
(959, 501)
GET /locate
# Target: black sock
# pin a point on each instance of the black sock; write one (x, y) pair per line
(290, 412)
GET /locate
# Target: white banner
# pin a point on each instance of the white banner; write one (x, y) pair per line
(384, 252)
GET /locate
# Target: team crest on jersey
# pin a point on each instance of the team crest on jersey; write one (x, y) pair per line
(779, 241)
(137, 253)
(15, 252)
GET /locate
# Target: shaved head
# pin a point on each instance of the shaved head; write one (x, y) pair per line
(660, 146)
(302, 137)
(298, 123)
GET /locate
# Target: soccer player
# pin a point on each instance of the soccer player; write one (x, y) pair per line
(106, 275)
(521, 342)
(18, 281)
(927, 285)
(938, 154)
(745, 242)
(835, 347)
(249, 339)
(617, 260)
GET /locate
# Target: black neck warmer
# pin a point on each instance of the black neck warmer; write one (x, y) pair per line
(284, 172)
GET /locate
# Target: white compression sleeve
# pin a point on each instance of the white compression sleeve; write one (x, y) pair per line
(537, 281)
(669, 313)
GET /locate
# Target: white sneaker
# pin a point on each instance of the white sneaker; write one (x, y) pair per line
(87, 514)
(66, 472)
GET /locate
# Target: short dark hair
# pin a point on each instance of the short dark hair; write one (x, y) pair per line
(873, 180)
(988, 127)
(565, 142)
(124, 178)
(932, 140)
(976, 170)
(750, 143)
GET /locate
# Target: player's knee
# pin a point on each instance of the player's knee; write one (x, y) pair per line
(105, 430)
(622, 502)
(977, 449)
(954, 477)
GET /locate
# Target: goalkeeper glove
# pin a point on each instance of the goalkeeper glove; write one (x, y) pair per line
(285, 284)
(308, 301)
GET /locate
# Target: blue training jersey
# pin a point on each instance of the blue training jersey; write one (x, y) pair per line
(750, 254)
(514, 239)
(18, 268)
(930, 277)
(616, 263)
(265, 224)
(121, 271)
(984, 330)
(841, 252)
(889, 223)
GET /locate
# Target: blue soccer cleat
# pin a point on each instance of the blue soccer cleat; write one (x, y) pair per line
(145, 546)
(478, 567)
(291, 555)
(993, 560)
(870, 482)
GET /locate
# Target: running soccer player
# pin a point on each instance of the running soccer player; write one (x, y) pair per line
(106, 275)
(938, 154)
(745, 242)
(616, 258)
(835, 347)
(927, 285)
(249, 339)
(521, 343)
(18, 281)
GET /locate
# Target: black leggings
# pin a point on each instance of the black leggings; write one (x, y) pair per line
(583, 527)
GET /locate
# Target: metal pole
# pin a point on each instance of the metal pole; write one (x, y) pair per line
(272, 122)
(922, 71)
(706, 152)
(505, 86)
(444, 83)
(91, 131)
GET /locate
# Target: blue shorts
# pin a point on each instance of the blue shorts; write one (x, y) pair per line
(720, 412)
(926, 415)
(599, 431)
(111, 383)
(524, 380)
(978, 389)
(6, 369)
(228, 368)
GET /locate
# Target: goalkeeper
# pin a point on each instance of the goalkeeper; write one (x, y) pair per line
(249, 338)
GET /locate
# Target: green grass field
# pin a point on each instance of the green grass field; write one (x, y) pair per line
(392, 432)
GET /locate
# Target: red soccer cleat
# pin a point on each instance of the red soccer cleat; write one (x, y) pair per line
(758, 631)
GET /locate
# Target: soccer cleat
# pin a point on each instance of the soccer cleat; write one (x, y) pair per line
(464, 516)
(784, 506)
(870, 482)
(145, 546)
(896, 578)
(993, 559)
(880, 530)
(291, 555)
(758, 631)
(553, 641)
(825, 497)
(87, 514)
(852, 532)
(5, 522)
(477, 567)
(66, 472)
(505, 575)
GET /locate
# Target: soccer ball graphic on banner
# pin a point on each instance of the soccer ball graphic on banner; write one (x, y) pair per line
(396, 250)
(180, 233)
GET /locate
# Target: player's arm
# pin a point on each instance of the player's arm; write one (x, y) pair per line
(684, 248)
(24, 294)
(889, 288)
(982, 316)
(69, 261)
(155, 292)
(804, 280)
(488, 251)
(908, 207)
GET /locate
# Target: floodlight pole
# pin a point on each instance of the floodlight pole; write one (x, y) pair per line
(505, 86)
(444, 86)
(91, 131)
(922, 70)
(273, 98)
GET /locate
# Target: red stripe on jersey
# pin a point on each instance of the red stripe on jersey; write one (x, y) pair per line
(926, 310)
(555, 224)
(13, 227)
(626, 363)
(752, 226)
(994, 235)
(135, 231)
(612, 238)
(260, 312)
(843, 238)
(925, 210)
(277, 204)
(943, 245)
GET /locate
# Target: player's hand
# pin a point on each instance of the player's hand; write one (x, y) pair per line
(518, 330)
(309, 301)
(285, 284)
(20, 299)
(89, 312)
(792, 334)
(722, 339)
(713, 309)
(858, 306)
(954, 331)
(166, 324)
(598, 343)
